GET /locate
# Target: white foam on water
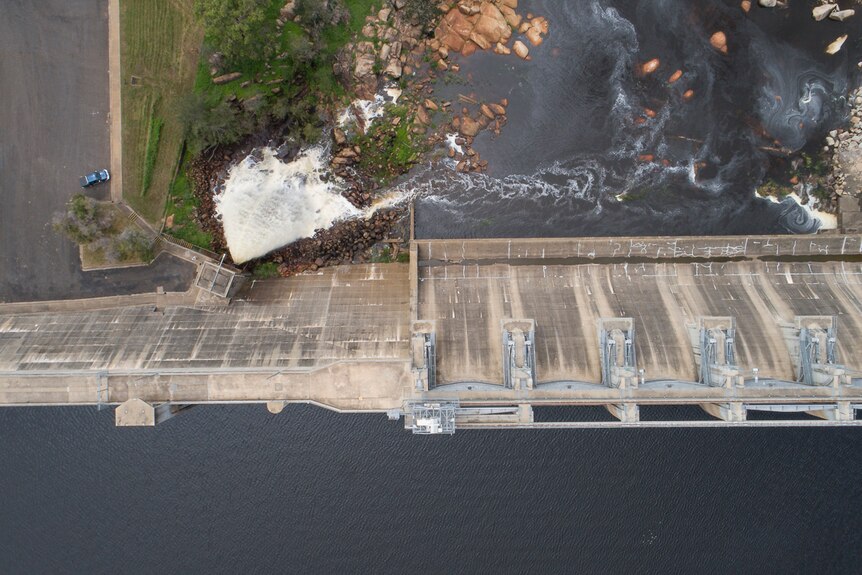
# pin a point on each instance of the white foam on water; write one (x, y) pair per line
(267, 204)
(393, 92)
(450, 142)
(827, 221)
(368, 110)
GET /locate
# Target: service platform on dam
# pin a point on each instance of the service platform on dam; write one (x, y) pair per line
(476, 333)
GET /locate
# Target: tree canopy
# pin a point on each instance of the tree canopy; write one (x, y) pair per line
(239, 29)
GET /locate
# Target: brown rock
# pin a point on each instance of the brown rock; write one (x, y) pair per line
(650, 66)
(480, 40)
(674, 77)
(520, 49)
(469, 126)
(719, 41)
(513, 19)
(540, 23)
(430, 104)
(501, 49)
(459, 23)
(364, 65)
(497, 109)
(492, 24)
(469, 48)
(486, 111)
(422, 116)
(393, 69)
(534, 36)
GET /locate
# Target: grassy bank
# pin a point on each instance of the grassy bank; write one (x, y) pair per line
(181, 211)
(283, 82)
(171, 104)
(160, 47)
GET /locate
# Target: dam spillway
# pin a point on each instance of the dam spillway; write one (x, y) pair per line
(476, 333)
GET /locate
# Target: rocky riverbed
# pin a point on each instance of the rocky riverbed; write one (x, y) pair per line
(660, 126)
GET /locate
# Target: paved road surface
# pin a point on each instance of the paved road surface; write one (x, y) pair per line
(53, 128)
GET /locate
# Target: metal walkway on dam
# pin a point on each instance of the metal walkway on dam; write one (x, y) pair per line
(476, 333)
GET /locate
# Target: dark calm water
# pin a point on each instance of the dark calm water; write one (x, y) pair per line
(237, 490)
(571, 160)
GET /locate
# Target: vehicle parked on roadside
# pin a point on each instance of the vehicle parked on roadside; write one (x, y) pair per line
(94, 178)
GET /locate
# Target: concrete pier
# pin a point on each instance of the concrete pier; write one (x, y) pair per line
(478, 333)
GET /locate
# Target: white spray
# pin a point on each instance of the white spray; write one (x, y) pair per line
(267, 204)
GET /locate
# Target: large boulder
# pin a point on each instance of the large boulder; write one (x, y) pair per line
(513, 19)
(520, 49)
(288, 11)
(491, 26)
(393, 69)
(364, 65)
(469, 126)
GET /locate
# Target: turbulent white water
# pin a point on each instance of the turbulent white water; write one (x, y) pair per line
(366, 111)
(827, 221)
(267, 204)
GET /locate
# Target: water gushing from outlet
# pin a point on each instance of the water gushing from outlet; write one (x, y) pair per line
(267, 203)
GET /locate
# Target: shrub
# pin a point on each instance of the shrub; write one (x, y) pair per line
(84, 220)
(130, 245)
(207, 127)
(422, 12)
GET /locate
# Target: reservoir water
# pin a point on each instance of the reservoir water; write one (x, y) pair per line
(237, 490)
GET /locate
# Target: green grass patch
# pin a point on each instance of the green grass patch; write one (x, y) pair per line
(774, 189)
(152, 149)
(295, 60)
(160, 48)
(384, 257)
(266, 270)
(389, 150)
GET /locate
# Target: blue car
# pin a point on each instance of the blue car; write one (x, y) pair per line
(94, 178)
